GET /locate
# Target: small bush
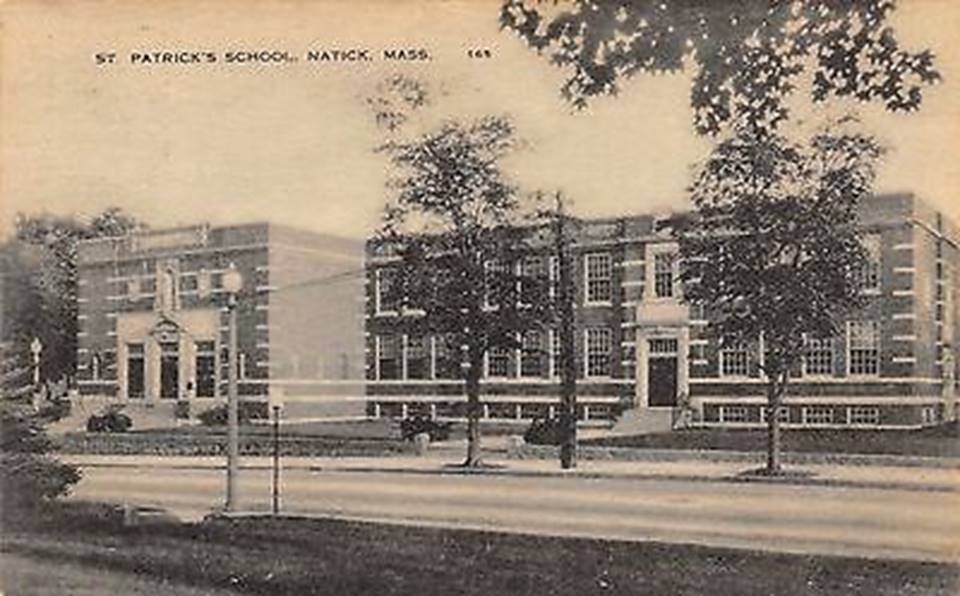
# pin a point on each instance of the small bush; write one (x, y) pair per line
(411, 427)
(27, 480)
(246, 411)
(181, 410)
(113, 421)
(544, 431)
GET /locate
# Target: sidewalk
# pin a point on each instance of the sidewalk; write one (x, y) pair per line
(445, 462)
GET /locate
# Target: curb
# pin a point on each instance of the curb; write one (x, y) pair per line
(725, 478)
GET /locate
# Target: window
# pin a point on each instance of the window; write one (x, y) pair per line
(188, 282)
(734, 360)
(733, 414)
(496, 275)
(418, 357)
(663, 277)
(531, 354)
(929, 415)
(818, 415)
(533, 280)
(554, 276)
(863, 347)
(388, 356)
(783, 414)
(818, 357)
(868, 277)
(599, 345)
(387, 298)
(205, 368)
(135, 369)
(554, 352)
(498, 362)
(599, 280)
(864, 415)
(148, 285)
(95, 367)
(447, 364)
(203, 283)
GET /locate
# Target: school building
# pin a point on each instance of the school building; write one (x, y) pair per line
(641, 350)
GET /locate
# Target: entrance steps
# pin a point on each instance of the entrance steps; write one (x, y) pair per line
(643, 421)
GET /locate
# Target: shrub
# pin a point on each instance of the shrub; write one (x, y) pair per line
(544, 431)
(113, 421)
(27, 479)
(411, 427)
(181, 410)
(246, 411)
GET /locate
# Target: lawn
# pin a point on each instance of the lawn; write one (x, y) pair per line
(942, 441)
(291, 556)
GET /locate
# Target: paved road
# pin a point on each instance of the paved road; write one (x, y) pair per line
(805, 519)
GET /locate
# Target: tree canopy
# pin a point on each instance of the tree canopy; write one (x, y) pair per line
(747, 56)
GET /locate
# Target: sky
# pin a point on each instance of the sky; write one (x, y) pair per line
(293, 142)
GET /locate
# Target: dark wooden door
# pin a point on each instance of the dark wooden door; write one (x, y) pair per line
(662, 385)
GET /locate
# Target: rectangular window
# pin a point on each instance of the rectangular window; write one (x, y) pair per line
(497, 276)
(531, 354)
(868, 277)
(734, 360)
(388, 356)
(387, 298)
(783, 414)
(599, 345)
(734, 414)
(818, 415)
(554, 276)
(447, 363)
(206, 377)
(188, 283)
(818, 357)
(663, 275)
(867, 415)
(169, 370)
(554, 352)
(599, 279)
(863, 347)
(534, 279)
(204, 283)
(148, 285)
(498, 362)
(135, 369)
(418, 357)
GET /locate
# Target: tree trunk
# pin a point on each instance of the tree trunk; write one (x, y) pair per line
(774, 395)
(568, 366)
(473, 416)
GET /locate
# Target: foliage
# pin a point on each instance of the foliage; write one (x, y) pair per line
(544, 431)
(28, 476)
(111, 422)
(41, 268)
(458, 227)
(181, 409)
(773, 249)
(411, 427)
(246, 411)
(747, 57)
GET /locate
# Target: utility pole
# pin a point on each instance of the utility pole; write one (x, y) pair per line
(568, 367)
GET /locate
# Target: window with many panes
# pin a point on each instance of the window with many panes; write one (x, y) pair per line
(534, 279)
(734, 359)
(783, 414)
(663, 274)
(599, 342)
(531, 354)
(868, 277)
(496, 282)
(418, 357)
(818, 356)
(498, 362)
(818, 415)
(554, 352)
(389, 353)
(864, 415)
(387, 296)
(447, 357)
(598, 270)
(863, 347)
(734, 414)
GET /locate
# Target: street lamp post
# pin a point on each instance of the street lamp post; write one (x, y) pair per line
(35, 348)
(232, 282)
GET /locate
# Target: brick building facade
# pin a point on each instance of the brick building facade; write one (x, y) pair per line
(639, 347)
(153, 324)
